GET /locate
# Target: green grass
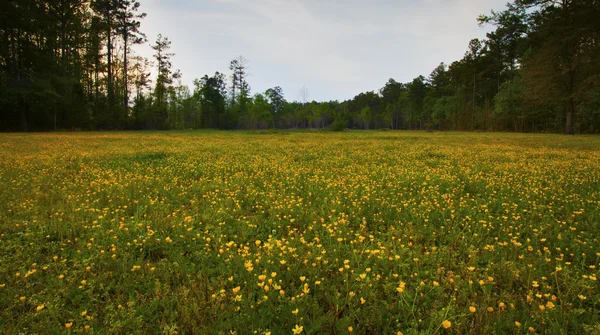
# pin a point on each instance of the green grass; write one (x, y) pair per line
(257, 232)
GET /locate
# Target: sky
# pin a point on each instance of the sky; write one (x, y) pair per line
(336, 49)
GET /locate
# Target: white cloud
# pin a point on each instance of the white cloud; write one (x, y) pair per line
(336, 48)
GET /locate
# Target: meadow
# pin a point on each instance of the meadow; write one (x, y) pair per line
(374, 232)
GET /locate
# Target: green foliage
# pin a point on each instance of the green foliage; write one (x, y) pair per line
(443, 109)
(77, 72)
(210, 93)
(509, 104)
(366, 114)
(260, 112)
(339, 124)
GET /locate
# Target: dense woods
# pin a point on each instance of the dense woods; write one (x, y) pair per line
(69, 65)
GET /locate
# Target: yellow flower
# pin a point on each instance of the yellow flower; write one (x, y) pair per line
(40, 307)
(22, 298)
(248, 266)
(472, 309)
(69, 325)
(168, 239)
(549, 305)
(446, 324)
(295, 312)
(517, 323)
(350, 329)
(298, 329)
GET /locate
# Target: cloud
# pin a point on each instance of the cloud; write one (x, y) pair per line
(336, 48)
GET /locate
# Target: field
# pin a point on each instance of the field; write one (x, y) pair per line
(303, 233)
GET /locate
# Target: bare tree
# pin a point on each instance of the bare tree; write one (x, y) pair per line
(303, 93)
(240, 89)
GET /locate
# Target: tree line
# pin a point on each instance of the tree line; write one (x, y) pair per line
(68, 65)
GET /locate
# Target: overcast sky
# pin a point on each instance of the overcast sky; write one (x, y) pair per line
(335, 48)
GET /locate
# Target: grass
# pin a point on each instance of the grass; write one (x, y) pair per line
(290, 232)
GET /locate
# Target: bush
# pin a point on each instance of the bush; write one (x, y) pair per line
(339, 124)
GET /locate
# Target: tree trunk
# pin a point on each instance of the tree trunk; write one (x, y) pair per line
(569, 127)
(125, 87)
(109, 61)
(570, 103)
(498, 83)
(96, 76)
(63, 42)
(474, 90)
(23, 114)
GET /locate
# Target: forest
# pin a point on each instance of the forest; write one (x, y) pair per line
(68, 65)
